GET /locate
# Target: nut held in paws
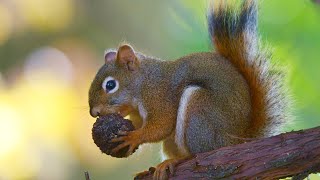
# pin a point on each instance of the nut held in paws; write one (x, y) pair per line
(106, 128)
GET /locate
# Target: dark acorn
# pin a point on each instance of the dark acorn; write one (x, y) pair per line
(106, 128)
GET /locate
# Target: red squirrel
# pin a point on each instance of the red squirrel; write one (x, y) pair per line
(199, 102)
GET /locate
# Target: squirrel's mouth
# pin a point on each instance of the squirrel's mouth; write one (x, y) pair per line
(122, 110)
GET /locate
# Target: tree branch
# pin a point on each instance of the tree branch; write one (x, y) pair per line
(294, 154)
(86, 175)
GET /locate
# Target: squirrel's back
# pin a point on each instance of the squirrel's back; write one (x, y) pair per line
(233, 29)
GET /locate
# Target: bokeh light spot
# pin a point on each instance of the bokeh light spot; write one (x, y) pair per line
(10, 129)
(46, 15)
(47, 63)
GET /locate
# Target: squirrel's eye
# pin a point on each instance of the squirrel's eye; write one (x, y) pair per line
(110, 85)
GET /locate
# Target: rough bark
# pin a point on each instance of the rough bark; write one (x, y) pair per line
(293, 154)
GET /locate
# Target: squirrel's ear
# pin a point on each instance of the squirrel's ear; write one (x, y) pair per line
(110, 56)
(126, 57)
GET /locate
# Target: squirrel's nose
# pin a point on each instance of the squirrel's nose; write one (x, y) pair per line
(95, 111)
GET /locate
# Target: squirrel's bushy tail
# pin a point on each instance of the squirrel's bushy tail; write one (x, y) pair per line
(233, 29)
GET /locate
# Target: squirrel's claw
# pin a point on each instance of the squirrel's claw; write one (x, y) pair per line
(131, 139)
(118, 139)
(161, 170)
(131, 149)
(120, 146)
(123, 133)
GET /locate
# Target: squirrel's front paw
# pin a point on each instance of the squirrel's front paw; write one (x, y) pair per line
(132, 139)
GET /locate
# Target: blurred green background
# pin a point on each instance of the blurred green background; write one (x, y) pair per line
(50, 51)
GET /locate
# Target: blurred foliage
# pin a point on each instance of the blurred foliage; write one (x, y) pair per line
(51, 49)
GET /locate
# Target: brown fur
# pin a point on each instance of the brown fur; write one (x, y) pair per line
(201, 101)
